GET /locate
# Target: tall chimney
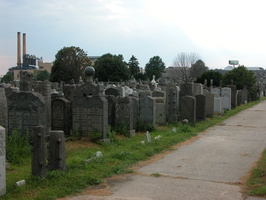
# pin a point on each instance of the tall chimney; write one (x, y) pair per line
(24, 44)
(19, 52)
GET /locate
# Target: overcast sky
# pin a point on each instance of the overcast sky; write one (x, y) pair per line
(217, 30)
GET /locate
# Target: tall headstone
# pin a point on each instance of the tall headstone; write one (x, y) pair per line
(3, 108)
(39, 149)
(226, 98)
(112, 101)
(25, 110)
(233, 96)
(245, 96)
(46, 92)
(197, 89)
(218, 105)
(200, 107)
(26, 79)
(69, 91)
(2, 161)
(186, 89)
(216, 92)
(61, 117)
(147, 110)
(209, 103)
(188, 109)
(124, 113)
(160, 99)
(112, 91)
(135, 106)
(56, 151)
(172, 105)
(90, 107)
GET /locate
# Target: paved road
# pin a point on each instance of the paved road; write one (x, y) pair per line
(213, 166)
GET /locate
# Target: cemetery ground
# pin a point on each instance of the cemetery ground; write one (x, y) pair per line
(85, 169)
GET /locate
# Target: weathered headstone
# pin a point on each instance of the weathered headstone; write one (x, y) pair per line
(216, 92)
(186, 89)
(111, 109)
(209, 105)
(39, 148)
(160, 99)
(26, 79)
(218, 105)
(25, 110)
(197, 89)
(90, 108)
(244, 96)
(56, 151)
(200, 107)
(3, 108)
(147, 110)
(69, 91)
(188, 109)
(61, 115)
(2, 161)
(172, 105)
(112, 91)
(226, 98)
(124, 114)
(233, 96)
(135, 106)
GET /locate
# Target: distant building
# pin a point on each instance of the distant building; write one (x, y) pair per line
(45, 66)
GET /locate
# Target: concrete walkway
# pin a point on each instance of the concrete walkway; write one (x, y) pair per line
(213, 166)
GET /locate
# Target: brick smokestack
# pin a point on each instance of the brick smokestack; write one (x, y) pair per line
(19, 52)
(24, 44)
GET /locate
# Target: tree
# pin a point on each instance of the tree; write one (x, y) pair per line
(7, 78)
(198, 68)
(185, 61)
(43, 75)
(241, 77)
(111, 67)
(133, 66)
(154, 67)
(69, 64)
(210, 75)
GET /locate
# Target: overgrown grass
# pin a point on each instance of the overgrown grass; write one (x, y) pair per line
(85, 169)
(256, 185)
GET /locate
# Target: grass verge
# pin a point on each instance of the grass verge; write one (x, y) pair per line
(256, 184)
(84, 169)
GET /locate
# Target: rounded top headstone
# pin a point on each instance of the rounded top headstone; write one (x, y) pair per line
(89, 72)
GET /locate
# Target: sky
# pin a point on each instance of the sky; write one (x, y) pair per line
(216, 30)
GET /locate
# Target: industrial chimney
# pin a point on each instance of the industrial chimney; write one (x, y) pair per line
(18, 52)
(24, 44)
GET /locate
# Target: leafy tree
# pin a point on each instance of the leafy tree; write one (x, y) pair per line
(69, 64)
(111, 67)
(184, 62)
(208, 75)
(133, 65)
(241, 77)
(154, 67)
(198, 68)
(7, 78)
(43, 75)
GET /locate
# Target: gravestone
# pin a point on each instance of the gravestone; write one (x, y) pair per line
(197, 89)
(147, 110)
(209, 104)
(56, 151)
(200, 107)
(186, 89)
(144, 93)
(244, 96)
(233, 96)
(25, 110)
(90, 108)
(38, 159)
(124, 114)
(238, 92)
(218, 105)
(46, 92)
(112, 91)
(69, 91)
(2, 161)
(61, 115)
(26, 80)
(188, 109)
(172, 105)
(226, 98)
(135, 107)
(3, 108)
(216, 92)
(160, 103)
